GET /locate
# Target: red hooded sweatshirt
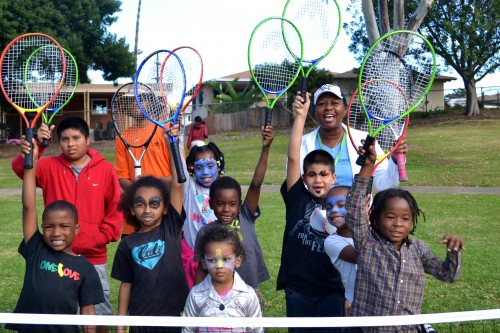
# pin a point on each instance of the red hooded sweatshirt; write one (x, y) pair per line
(95, 195)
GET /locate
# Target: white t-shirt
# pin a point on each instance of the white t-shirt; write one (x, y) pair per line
(198, 212)
(334, 244)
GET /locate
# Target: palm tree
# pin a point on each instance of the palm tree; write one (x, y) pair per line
(137, 35)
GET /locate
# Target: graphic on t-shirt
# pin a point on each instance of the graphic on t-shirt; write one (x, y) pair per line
(59, 269)
(312, 239)
(149, 254)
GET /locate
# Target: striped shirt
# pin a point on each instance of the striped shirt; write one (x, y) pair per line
(390, 282)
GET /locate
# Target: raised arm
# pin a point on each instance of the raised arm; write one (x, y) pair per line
(293, 170)
(253, 194)
(30, 214)
(44, 132)
(176, 189)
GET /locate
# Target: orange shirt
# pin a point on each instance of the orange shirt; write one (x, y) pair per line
(155, 162)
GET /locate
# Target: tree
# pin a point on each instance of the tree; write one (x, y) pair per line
(231, 100)
(464, 33)
(80, 26)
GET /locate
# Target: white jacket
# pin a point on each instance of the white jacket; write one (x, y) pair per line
(386, 175)
(204, 301)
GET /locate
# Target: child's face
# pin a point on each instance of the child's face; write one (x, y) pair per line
(319, 180)
(335, 207)
(148, 207)
(226, 205)
(73, 144)
(220, 261)
(59, 228)
(395, 221)
(206, 170)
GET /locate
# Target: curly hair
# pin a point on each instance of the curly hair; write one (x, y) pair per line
(219, 233)
(127, 199)
(224, 183)
(380, 202)
(211, 147)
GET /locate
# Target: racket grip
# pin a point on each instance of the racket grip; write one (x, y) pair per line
(45, 142)
(181, 177)
(401, 167)
(28, 158)
(303, 87)
(137, 172)
(362, 158)
(268, 117)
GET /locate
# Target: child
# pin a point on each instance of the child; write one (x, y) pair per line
(225, 200)
(339, 246)
(148, 261)
(395, 284)
(313, 287)
(205, 164)
(222, 293)
(198, 133)
(57, 281)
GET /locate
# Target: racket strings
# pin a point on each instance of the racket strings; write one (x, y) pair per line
(32, 72)
(193, 68)
(69, 84)
(319, 24)
(271, 55)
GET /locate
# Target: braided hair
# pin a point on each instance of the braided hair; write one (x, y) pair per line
(380, 202)
(211, 147)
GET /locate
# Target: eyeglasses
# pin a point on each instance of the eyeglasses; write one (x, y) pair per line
(140, 203)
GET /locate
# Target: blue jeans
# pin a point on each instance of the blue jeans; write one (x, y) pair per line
(299, 305)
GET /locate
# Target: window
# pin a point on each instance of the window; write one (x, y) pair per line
(99, 106)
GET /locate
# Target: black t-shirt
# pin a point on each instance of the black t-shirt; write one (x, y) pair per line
(55, 283)
(151, 262)
(305, 266)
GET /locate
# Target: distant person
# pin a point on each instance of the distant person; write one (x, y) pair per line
(84, 178)
(155, 161)
(222, 293)
(56, 281)
(330, 109)
(313, 287)
(198, 133)
(148, 262)
(387, 257)
(230, 211)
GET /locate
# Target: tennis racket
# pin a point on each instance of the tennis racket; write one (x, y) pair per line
(132, 127)
(405, 58)
(33, 68)
(274, 60)
(319, 23)
(389, 137)
(167, 81)
(65, 94)
(193, 68)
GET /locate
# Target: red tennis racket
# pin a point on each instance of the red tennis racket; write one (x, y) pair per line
(391, 98)
(31, 86)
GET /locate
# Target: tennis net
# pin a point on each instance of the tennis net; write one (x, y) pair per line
(485, 321)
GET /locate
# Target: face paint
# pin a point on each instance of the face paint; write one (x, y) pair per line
(154, 203)
(335, 210)
(219, 261)
(206, 171)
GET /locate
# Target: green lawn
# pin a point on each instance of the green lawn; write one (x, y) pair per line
(461, 153)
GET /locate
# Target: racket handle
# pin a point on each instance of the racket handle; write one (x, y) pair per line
(45, 142)
(28, 158)
(303, 87)
(174, 146)
(137, 172)
(362, 158)
(400, 158)
(268, 117)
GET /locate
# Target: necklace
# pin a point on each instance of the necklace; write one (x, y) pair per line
(320, 141)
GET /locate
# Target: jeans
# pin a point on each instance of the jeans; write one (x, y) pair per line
(299, 305)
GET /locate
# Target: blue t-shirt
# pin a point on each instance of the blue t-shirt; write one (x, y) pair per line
(342, 163)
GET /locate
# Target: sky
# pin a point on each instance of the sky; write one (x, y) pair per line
(220, 31)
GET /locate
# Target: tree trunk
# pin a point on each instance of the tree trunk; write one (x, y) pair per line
(399, 15)
(419, 15)
(383, 17)
(137, 36)
(472, 108)
(370, 21)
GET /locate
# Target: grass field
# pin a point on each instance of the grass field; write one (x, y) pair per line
(463, 153)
